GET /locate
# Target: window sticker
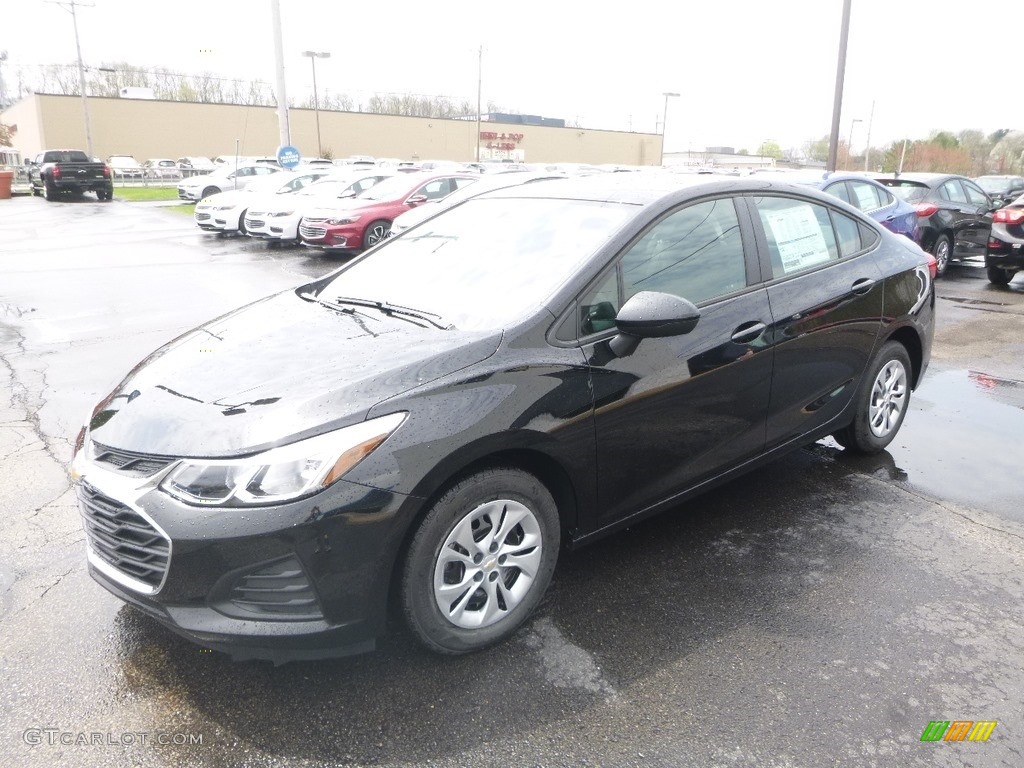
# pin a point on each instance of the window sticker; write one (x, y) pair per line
(798, 235)
(866, 199)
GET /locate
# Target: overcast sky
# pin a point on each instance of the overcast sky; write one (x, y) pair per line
(747, 70)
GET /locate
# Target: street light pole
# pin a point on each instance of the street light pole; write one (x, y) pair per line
(837, 103)
(849, 145)
(313, 56)
(664, 122)
(71, 7)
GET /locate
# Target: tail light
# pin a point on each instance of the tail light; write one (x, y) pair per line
(924, 210)
(1008, 216)
(933, 265)
(56, 172)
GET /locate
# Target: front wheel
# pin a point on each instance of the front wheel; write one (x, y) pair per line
(882, 402)
(942, 250)
(480, 561)
(376, 232)
(999, 276)
(209, 191)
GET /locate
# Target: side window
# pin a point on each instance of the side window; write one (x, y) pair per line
(799, 234)
(433, 190)
(840, 190)
(975, 195)
(363, 184)
(865, 196)
(599, 306)
(695, 252)
(847, 232)
(884, 196)
(460, 183)
(953, 192)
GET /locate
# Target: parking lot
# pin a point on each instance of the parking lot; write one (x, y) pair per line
(819, 611)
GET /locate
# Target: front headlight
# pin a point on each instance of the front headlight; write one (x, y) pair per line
(282, 213)
(343, 220)
(223, 207)
(280, 474)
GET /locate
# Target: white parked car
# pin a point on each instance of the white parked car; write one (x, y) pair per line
(280, 220)
(424, 211)
(161, 168)
(125, 167)
(199, 187)
(225, 212)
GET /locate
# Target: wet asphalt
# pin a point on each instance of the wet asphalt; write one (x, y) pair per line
(820, 611)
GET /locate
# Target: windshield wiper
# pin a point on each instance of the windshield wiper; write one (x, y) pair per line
(332, 305)
(394, 310)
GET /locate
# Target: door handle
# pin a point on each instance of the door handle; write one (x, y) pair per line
(748, 332)
(862, 286)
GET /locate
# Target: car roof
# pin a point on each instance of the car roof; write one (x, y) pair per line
(644, 188)
(927, 179)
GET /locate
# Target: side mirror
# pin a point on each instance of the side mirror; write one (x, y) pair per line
(651, 315)
(416, 200)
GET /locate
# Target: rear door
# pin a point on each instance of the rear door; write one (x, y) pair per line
(825, 293)
(980, 205)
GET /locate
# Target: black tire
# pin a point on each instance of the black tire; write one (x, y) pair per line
(209, 191)
(885, 391)
(999, 276)
(241, 223)
(49, 190)
(942, 250)
(490, 595)
(375, 232)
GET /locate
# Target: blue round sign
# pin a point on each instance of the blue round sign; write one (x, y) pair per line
(288, 156)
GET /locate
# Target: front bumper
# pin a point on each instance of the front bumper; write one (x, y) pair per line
(303, 580)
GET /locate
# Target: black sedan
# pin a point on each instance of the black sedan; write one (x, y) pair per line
(530, 370)
(1005, 256)
(955, 213)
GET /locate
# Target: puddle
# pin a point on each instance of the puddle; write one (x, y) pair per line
(961, 441)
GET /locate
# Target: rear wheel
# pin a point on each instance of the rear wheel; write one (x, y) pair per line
(942, 251)
(882, 402)
(49, 190)
(999, 276)
(376, 232)
(480, 561)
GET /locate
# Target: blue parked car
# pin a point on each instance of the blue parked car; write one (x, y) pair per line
(866, 195)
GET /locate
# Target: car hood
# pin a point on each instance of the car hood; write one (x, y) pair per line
(230, 197)
(273, 372)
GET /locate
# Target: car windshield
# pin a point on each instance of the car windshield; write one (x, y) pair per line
(486, 263)
(907, 190)
(994, 183)
(325, 188)
(391, 189)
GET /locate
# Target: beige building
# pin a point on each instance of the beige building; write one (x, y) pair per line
(148, 128)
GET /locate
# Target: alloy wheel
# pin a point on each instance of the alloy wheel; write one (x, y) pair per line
(888, 398)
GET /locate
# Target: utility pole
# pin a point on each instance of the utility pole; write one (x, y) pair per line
(479, 92)
(867, 149)
(664, 123)
(283, 126)
(71, 6)
(837, 103)
(313, 56)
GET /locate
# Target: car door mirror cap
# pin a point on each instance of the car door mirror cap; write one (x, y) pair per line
(652, 314)
(416, 200)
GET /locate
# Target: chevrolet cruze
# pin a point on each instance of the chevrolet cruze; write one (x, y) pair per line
(427, 426)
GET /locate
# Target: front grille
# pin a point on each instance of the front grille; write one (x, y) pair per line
(315, 219)
(312, 233)
(257, 223)
(136, 464)
(123, 538)
(280, 589)
(202, 217)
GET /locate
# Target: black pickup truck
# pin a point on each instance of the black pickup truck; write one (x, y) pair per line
(59, 171)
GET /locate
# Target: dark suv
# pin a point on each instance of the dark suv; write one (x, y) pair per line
(955, 214)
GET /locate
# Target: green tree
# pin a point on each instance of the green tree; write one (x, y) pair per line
(6, 136)
(771, 149)
(817, 149)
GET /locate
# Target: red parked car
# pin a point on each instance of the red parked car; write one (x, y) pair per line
(365, 220)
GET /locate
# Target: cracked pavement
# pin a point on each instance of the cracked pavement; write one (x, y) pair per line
(817, 612)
